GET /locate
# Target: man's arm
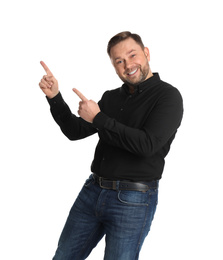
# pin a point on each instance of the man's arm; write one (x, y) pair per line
(158, 129)
(73, 127)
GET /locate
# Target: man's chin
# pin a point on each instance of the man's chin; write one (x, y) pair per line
(133, 83)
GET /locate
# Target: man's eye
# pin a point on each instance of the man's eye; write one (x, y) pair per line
(119, 62)
(133, 55)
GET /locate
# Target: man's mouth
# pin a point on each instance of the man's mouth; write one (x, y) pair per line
(132, 72)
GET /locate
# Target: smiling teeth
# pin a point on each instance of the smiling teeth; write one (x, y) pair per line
(131, 73)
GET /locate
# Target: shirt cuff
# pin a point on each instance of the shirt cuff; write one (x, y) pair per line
(100, 120)
(56, 101)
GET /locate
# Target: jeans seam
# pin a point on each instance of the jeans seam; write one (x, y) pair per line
(141, 234)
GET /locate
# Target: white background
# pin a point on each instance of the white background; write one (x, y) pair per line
(42, 171)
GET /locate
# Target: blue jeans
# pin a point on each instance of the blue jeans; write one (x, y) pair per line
(124, 217)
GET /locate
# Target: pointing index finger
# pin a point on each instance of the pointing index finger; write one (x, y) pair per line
(48, 72)
(80, 95)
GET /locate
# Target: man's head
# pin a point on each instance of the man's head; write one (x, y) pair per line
(121, 37)
(130, 58)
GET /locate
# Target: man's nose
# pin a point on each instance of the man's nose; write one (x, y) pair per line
(128, 64)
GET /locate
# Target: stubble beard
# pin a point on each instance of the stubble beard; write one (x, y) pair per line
(142, 77)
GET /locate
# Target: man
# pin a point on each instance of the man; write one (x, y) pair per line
(136, 125)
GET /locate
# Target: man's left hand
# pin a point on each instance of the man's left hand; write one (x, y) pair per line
(88, 109)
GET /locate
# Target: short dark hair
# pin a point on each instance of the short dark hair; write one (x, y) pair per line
(121, 37)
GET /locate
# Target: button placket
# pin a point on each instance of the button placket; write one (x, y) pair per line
(125, 103)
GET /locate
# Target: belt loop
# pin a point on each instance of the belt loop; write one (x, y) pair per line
(117, 185)
(100, 181)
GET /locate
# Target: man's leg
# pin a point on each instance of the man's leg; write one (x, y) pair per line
(127, 222)
(82, 230)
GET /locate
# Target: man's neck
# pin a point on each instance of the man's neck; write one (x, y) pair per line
(132, 87)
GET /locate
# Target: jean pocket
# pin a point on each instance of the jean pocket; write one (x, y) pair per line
(135, 198)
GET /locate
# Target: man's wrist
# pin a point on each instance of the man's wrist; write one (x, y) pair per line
(53, 95)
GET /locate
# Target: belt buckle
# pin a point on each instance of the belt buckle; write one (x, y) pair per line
(100, 183)
(113, 187)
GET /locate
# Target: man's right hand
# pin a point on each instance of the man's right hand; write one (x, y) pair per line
(48, 83)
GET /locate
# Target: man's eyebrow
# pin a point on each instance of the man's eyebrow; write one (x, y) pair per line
(129, 52)
(118, 58)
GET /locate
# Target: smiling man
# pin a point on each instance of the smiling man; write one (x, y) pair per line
(136, 125)
(131, 62)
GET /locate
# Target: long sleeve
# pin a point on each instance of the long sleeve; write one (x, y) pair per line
(144, 139)
(72, 126)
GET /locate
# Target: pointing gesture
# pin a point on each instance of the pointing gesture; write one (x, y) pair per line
(88, 109)
(48, 72)
(48, 83)
(80, 95)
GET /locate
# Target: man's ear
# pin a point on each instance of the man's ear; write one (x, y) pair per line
(147, 54)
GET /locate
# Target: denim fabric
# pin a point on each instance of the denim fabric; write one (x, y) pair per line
(124, 217)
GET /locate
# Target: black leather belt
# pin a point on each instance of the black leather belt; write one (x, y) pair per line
(124, 185)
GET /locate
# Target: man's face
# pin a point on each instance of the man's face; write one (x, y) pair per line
(131, 62)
